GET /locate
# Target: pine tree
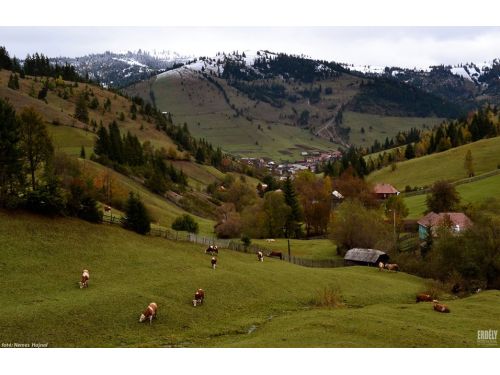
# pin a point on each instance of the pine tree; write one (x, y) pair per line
(410, 151)
(35, 141)
(200, 155)
(115, 143)
(101, 147)
(136, 215)
(295, 216)
(11, 177)
(81, 110)
(13, 82)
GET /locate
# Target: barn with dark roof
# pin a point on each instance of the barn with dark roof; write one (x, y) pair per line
(365, 257)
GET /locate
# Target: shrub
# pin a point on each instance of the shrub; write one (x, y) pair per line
(246, 241)
(330, 297)
(89, 210)
(186, 223)
(46, 200)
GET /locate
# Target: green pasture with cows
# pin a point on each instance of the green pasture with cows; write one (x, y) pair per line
(248, 303)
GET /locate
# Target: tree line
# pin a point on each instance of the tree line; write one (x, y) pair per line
(38, 65)
(481, 124)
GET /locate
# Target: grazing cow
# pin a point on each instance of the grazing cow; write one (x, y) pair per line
(149, 313)
(199, 296)
(212, 250)
(277, 254)
(439, 307)
(107, 208)
(84, 283)
(214, 262)
(270, 240)
(380, 266)
(392, 267)
(260, 256)
(424, 297)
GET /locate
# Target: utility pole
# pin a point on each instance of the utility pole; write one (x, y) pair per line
(289, 253)
(394, 228)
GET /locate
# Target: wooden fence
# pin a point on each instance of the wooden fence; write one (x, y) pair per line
(253, 249)
(163, 232)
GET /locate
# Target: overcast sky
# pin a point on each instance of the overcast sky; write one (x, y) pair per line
(396, 46)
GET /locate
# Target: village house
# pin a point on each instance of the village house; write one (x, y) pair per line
(384, 191)
(430, 222)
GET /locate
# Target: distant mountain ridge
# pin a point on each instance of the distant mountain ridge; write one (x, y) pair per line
(466, 83)
(120, 69)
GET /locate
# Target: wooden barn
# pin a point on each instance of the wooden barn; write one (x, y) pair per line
(365, 257)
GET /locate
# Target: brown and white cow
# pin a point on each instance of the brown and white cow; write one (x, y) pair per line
(212, 249)
(380, 266)
(439, 307)
(199, 296)
(149, 313)
(84, 282)
(260, 256)
(276, 254)
(392, 267)
(424, 297)
(213, 261)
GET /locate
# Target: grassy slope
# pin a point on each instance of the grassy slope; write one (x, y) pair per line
(474, 192)
(448, 165)
(162, 211)
(41, 260)
(382, 126)
(58, 109)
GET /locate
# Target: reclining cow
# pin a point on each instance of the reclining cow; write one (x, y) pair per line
(424, 297)
(84, 282)
(260, 256)
(439, 307)
(149, 313)
(199, 296)
(213, 261)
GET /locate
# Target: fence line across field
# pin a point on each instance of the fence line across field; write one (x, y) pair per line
(228, 244)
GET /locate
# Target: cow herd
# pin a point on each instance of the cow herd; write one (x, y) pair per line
(151, 311)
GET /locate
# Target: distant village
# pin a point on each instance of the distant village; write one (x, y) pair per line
(310, 160)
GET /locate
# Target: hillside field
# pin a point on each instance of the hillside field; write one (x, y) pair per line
(474, 192)
(447, 165)
(248, 303)
(260, 129)
(379, 127)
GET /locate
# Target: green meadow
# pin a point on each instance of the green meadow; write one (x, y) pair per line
(248, 303)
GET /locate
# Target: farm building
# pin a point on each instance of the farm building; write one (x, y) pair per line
(384, 191)
(430, 222)
(365, 257)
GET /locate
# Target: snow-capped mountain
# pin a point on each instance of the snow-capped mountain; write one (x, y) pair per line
(470, 71)
(119, 69)
(215, 64)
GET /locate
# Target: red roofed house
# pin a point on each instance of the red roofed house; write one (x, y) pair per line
(433, 220)
(384, 191)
